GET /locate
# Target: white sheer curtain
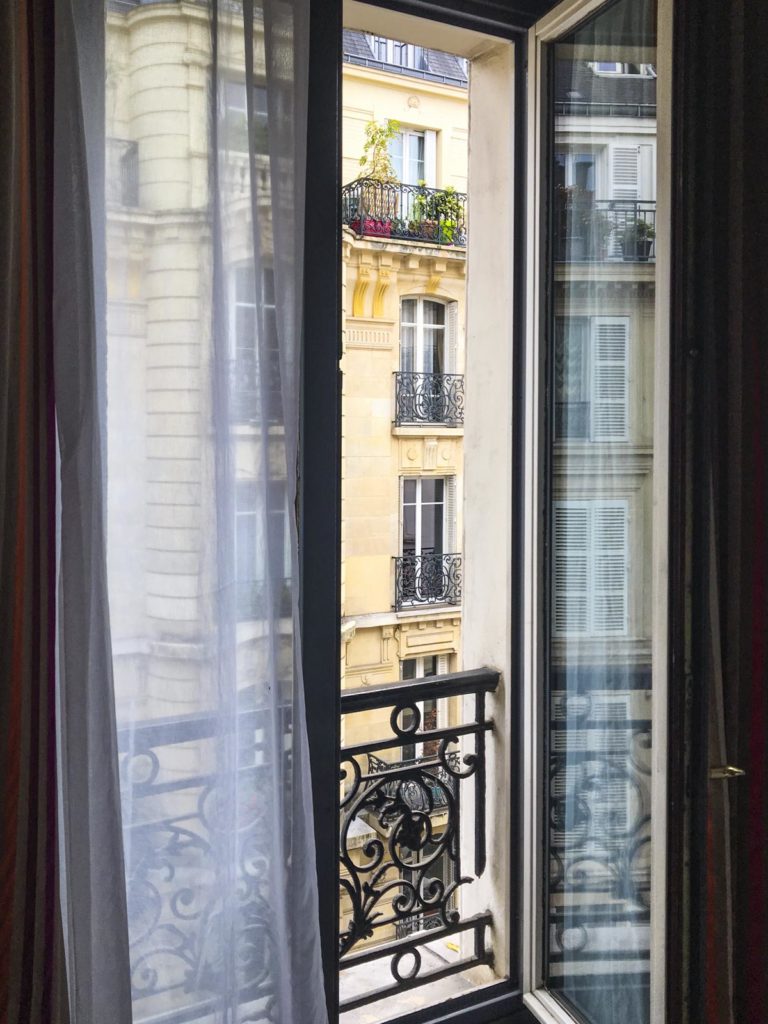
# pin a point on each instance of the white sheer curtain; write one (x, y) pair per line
(193, 436)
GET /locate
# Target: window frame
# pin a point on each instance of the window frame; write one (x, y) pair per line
(320, 540)
(420, 332)
(562, 18)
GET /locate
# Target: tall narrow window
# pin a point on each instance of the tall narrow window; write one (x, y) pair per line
(599, 329)
(428, 571)
(413, 157)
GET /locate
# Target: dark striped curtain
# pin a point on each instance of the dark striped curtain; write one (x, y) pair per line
(32, 985)
(724, 201)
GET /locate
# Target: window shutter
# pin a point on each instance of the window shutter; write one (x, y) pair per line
(430, 159)
(609, 567)
(571, 548)
(442, 664)
(624, 172)
(610, 377)
(452, 337)
(647, 186)
(451, 526)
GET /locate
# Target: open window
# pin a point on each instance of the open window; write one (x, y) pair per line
(561, 527)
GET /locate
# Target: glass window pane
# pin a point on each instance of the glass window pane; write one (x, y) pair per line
(396, 155)
(409, 529)
(601, 338)
(409, 491)
(434, 354)
(434, 312)
(408, 311)
(408, 349)
(429, 489)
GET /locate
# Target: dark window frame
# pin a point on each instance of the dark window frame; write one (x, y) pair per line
(320, 490)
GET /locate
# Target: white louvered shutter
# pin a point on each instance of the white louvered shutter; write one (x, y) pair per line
(610, 378)
(571, 550)
(451, 525)
(442, 664)
(452, 337)
(625, 176)
(609, 556)
(430, 159)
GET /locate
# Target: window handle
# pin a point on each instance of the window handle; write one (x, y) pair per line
(726, 771)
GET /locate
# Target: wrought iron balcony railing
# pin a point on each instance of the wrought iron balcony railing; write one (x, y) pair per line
(429, 398)
(428, 579)
(171, 776)
(380, 209)
(397, 879)
(600, 825)
(587, 229)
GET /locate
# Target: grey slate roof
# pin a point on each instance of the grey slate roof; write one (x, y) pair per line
(439, 65)
(576, 82)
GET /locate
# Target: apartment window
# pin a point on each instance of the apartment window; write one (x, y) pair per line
(423, 668)
(251, 396)
(428, 571)
(413, 155)
(425, 526)
(590, 562)
(591, 378)
(610, 67)
(258, 529)
(234, 127)
(575, 168)
(427, 336)
(404, 55)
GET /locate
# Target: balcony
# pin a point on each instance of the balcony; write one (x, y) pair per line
(427, 579)
(592, 230)
(378, 209)
(429, 398)
(407, 877)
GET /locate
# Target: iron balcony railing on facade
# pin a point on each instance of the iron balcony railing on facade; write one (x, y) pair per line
(587, 229)
(381, 209)
(171, 781)
(428, 579)
(408, 876)
(587, 108)
(599, 822)
(429, 398)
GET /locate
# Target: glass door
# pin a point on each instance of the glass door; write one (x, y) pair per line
(597, 588)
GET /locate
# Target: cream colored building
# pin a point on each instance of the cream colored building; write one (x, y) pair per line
(401, 467)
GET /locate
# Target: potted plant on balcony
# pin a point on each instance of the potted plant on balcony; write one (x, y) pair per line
(377, 204)
(638, 240)
(438, 215)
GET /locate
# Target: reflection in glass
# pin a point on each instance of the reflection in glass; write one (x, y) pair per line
(601, 330)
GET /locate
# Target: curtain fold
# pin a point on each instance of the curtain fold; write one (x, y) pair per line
(91, 853)
(205, 121)
(32, 986)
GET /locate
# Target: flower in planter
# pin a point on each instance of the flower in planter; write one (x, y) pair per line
(638, 239)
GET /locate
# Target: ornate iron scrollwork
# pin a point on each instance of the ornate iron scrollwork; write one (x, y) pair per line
(599, 823)
(429, 398)
(399, 843)
(428, 579)
(174, 831)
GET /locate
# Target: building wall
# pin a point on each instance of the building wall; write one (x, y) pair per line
(376, 455)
